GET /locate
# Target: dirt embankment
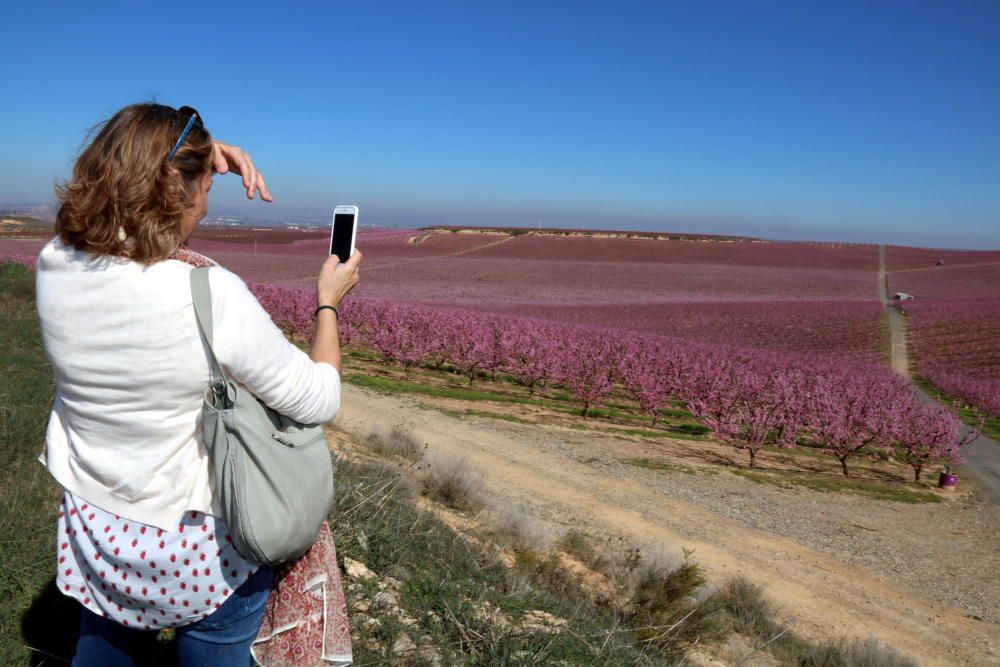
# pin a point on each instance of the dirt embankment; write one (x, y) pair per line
(916, 577)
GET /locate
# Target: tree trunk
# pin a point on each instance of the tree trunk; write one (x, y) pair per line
(916, 472)
(653, 425)
(843, 465)
(586, 409)
(753, 457)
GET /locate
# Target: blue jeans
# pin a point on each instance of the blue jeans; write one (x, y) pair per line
(221, 639)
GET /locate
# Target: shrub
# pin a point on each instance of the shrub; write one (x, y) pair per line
(669, 612)
(394, 442)
(752, 614)
(451, 481)
(514, 527)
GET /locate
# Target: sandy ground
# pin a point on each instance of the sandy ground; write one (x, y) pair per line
(559, 474)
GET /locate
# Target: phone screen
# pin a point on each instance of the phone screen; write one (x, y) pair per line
(343, 228)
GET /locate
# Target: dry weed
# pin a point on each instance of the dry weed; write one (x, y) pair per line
(451, 481)
(513, 527)
(394, 442)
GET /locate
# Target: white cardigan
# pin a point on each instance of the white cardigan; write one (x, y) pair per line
(130, 369)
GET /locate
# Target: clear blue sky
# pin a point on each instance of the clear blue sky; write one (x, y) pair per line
(840, 120)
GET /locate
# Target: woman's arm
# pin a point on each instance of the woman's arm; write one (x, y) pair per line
(326, 345)
(333, 283)
(256, 353)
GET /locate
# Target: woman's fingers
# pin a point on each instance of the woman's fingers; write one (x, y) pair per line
(264, 194)
(353, 260)
(219, 158)
(249, 175)
(226, 158)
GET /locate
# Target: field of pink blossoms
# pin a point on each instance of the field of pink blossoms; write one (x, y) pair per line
(954, 319)
(807, 297)
(720, 326)
(779, 296)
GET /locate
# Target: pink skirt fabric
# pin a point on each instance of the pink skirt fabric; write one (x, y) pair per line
(305, 621)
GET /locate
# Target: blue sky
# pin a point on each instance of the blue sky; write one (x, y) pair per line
(839, 121)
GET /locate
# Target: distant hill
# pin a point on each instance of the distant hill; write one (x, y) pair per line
(20, 226)
(589, 233)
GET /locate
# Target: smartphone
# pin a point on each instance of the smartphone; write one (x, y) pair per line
(344, 232)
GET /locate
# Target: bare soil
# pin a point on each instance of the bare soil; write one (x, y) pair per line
(919, 578)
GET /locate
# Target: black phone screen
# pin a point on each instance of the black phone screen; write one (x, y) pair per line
(343, 229)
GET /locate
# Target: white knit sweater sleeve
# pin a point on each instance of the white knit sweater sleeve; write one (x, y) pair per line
(254, 352)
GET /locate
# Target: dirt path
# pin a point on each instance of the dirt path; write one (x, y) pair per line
(450, 254)
(898, 357)
(572, 478)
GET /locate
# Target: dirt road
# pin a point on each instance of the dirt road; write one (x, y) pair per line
(571, 478)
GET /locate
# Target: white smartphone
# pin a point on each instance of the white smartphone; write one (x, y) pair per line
(344, 232)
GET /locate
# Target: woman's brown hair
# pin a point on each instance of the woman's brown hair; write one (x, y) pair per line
(122, 180)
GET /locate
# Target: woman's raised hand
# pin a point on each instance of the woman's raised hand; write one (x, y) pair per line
(335, 281)
(226, 158)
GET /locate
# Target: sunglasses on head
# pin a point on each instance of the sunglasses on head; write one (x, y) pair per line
(194, 118)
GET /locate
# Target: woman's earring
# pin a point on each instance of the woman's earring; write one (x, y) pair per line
(121, 234)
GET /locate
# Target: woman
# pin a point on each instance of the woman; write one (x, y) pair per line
(139, 543)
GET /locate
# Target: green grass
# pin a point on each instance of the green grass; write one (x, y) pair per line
(885, 337)
(968, 414)
(753, 615)
(495, 415)
(686, 430)
(28, 494)
(445, 577)
(663, 466)
(392, 387)
(876, 491)
(674, 435)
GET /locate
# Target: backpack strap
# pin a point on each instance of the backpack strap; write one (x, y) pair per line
(201, 293)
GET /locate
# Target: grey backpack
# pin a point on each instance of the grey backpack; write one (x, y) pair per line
(273, 474)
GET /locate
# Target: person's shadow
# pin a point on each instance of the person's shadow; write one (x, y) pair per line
(51, 626)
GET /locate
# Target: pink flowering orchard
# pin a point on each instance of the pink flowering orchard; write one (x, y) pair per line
(748, 398)
(953, 320)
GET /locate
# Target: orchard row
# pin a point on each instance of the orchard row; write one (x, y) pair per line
(749, 398)
(957, 350)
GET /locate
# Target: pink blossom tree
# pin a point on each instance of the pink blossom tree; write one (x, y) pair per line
(531, 351)
(854, 412)
(641, 375)
(583, 366)
(929, 431)
(746, 408)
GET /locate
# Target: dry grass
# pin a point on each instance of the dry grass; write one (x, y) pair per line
(753, 615)
(513, 527)
(394, 442)
(452, 482)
